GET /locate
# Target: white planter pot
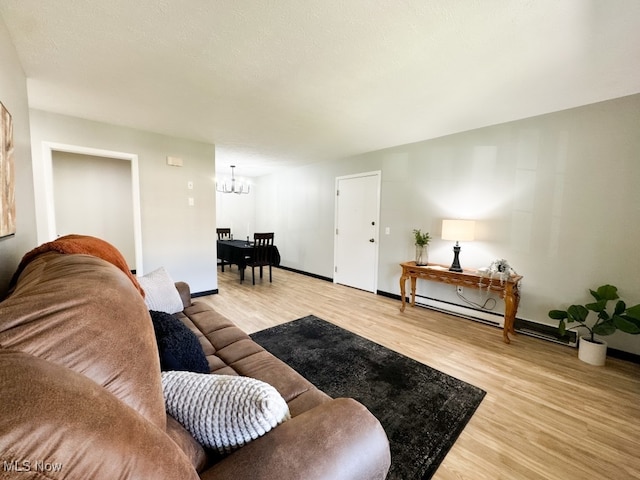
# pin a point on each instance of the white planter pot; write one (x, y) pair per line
(591, 352)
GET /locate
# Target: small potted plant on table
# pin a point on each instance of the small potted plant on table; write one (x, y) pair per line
(422, 243)
(590, 349)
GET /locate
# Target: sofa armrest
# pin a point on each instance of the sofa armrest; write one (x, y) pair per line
(185, 293)
(52, 415)
(339, 439)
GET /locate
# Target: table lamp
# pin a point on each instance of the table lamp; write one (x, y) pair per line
(458, 230)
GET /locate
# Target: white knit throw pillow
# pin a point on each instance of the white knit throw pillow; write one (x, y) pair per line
(223, 412)
(160, 292)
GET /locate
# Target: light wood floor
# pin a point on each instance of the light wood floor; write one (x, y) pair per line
(546, 414)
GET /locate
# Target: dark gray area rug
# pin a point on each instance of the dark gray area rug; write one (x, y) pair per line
(421, 409)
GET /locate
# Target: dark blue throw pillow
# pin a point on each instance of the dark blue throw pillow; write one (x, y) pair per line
(178, 346)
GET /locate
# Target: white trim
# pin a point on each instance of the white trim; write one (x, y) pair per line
(375, 173)
(497, 320)
(488, 318)
(48, 210)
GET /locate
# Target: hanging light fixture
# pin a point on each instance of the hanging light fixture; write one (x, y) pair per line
(239, 189)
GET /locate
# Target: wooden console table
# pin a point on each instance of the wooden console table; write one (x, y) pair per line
(509, 288)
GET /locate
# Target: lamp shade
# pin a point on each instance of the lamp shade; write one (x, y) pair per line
(458, 230)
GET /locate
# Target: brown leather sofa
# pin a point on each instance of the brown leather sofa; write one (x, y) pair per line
(81, 394)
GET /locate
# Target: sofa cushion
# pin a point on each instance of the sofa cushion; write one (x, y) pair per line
(230, 351)
(83, 313)
(223, 412)
(178, 346)
(66, 425)
(190, 447)
(160, 292)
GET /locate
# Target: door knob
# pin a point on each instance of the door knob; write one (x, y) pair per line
(371, 240)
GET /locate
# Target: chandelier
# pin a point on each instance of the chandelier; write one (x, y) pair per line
(239, 189)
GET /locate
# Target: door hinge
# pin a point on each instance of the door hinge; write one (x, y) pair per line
(335, 269)
(337, 193)
(336, 231)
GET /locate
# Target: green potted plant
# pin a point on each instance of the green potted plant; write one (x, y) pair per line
(590, 349)
(422, 242)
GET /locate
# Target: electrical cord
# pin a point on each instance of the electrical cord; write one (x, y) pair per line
(484, 306)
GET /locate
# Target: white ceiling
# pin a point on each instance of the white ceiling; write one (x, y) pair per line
(286, 82)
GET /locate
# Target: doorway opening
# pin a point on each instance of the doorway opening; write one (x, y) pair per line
(50, 226)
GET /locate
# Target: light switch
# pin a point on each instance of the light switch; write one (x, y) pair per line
(191, 202)
(190, 185)
(387, 231)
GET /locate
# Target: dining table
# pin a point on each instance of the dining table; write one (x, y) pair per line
(240, 253)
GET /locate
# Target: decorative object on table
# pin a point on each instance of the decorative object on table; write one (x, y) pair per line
(233, 188)
(7, 175)
(422, 246)
(590, 349)
(422, 410)
(460, 231)
(500, 269)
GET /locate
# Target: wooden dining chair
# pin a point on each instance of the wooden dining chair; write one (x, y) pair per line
(223, 234)
(262, 254)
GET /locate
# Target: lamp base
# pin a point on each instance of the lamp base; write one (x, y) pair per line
(455, 266)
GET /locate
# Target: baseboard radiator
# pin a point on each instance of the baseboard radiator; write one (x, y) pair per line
(525, 327)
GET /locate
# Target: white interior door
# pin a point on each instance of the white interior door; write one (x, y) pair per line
(356, 239)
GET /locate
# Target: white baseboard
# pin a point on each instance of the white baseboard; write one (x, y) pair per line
(495, 319)
(489, 318)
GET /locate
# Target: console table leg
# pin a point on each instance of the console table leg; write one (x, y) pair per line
(413, 291)
(403, 281)
(505, 331)
(510, 309)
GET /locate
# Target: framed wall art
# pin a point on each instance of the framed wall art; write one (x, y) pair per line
(7, 175)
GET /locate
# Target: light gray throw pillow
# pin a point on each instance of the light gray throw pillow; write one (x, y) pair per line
(223, 412)
(160, 292)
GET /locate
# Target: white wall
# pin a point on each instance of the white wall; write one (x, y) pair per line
(237, 212)
(298, 206)
(556, 195)
(174, 235)
(13, 94)
(93, 196)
